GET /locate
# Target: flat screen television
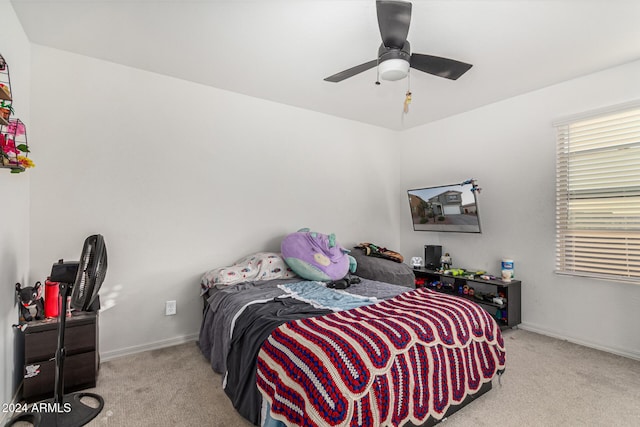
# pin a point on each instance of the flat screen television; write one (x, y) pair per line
(445, 208)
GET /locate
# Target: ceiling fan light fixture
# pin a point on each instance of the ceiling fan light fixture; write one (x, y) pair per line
(393, 69)
(394, 54)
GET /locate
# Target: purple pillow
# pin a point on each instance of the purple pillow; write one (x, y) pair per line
(315, 256)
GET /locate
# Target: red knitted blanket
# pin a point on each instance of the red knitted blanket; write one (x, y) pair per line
(399, 360)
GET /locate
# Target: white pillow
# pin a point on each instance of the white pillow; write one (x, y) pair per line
(258, 266)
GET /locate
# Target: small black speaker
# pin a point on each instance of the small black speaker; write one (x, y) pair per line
(432, 254)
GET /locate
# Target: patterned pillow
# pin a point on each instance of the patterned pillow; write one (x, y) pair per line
(258, 266)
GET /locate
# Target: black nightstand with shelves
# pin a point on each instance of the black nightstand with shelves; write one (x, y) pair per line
(508, 314)
(38, 344)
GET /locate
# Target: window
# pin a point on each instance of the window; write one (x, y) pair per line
(598, 195)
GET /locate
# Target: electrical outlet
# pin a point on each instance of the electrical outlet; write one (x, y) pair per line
(170, 308)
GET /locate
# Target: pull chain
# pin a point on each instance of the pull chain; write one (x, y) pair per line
(407, 97)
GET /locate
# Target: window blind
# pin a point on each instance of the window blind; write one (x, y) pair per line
(598, 196)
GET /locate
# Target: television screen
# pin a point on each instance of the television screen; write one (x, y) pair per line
(445, 208)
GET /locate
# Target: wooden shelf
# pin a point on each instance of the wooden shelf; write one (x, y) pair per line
(5, 95)
(470, 298)
(511, 290)
(12, 167)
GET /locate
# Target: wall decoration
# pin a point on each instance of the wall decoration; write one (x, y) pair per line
(14, 150)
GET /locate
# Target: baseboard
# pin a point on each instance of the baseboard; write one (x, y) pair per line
(114, 354)
(543, 331)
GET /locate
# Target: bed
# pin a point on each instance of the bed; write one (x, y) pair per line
(296, 352)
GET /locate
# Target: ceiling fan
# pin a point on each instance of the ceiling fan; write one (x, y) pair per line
(394, 55)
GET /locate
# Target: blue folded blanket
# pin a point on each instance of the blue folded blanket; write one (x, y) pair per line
(319, 296)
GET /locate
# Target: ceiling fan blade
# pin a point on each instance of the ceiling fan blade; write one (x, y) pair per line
(394, 18)
(342, 75)
(442, 67)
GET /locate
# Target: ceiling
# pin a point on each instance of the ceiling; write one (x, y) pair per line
(281, 50)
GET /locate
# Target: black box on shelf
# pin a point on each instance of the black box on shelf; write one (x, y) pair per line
(432, 254)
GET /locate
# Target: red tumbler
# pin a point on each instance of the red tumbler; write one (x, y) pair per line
(51, 303)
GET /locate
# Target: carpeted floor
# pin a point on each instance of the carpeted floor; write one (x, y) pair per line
(548, 382)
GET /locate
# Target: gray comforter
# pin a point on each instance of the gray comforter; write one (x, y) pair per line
(226, 304)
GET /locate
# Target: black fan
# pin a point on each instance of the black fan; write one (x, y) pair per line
(394, 54)
(82, 280)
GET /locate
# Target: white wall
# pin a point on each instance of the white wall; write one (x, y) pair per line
(509, 147)
(14, 188)
(181, 178)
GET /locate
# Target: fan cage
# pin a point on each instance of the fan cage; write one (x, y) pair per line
(91, 273)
